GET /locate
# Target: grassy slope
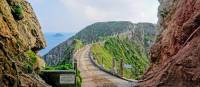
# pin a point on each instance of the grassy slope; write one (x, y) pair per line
(69, 50)
(100, 53)
(131, 52)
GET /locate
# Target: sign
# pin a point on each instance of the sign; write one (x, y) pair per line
(67, 78)
(127, 66)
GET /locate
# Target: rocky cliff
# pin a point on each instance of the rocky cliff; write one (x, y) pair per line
(20, 39)
(175, 56)
(142, 33)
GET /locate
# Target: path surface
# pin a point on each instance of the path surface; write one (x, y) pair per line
(93, 76)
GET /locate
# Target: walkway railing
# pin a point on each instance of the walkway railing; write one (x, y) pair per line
(93, 60)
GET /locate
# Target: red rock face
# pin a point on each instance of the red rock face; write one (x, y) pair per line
(175, 56)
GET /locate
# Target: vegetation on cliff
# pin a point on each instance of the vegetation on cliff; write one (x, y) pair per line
(32, 60)
(124, 49)
(92, 33)
(17, 11)
(69, 51)
(102, 55)
(97, 31)
(59, 67)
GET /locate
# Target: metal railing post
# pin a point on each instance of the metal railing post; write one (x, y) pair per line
(75, 68)
(121, 67)
(113, 65)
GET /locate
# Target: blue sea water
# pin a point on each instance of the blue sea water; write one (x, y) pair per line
(53, 39)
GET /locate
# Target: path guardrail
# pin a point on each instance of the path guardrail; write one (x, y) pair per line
(109, 72)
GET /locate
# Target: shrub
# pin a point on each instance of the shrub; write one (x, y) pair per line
(31, 60)
(17, 12)
(31, 55)
(59, 67)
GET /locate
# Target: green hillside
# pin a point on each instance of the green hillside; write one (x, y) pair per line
(92, 33)
(99, 30)
(118, 48)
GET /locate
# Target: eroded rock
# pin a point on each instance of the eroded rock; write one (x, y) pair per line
(16, 37)
(175, 55)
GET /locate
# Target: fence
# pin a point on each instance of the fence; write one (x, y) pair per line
(110, 72)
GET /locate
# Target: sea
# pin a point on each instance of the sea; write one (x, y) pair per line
(53, 39)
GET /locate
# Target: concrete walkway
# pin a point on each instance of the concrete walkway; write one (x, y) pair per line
(93, 76)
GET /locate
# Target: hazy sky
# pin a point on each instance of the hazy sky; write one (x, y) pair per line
(74, 15)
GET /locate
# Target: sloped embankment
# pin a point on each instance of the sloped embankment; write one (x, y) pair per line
(115, 50)
(129, 48)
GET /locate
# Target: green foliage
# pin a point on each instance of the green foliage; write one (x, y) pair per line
(17, 11)
(70, 49)
(79, 79)
(59, 67)
(99, 30)
(131, 52)
(32, 57)
(29, 68)
(102, 55)
(77, 44)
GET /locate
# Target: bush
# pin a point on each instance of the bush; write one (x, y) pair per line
(59, 67)
(17, 12)
(31, 60)
(31, 55)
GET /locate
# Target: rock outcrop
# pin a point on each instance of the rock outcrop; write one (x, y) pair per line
(20, 31)
(175, 56)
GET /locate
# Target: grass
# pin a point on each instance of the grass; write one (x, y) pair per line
(100, 53)
(79, 79)
(130, 51)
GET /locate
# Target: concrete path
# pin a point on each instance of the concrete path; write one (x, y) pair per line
(93, 76)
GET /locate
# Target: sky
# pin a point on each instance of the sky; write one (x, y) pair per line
(73, 15)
